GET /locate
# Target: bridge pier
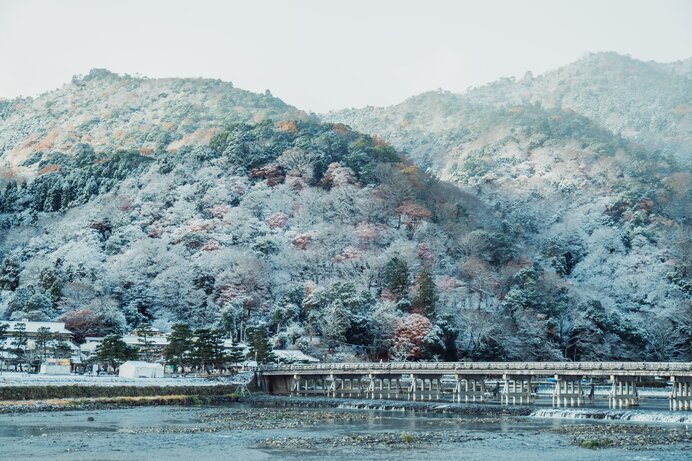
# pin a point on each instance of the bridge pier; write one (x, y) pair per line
(568, 391)
(517, 388)
(623, 393)
(473, 388)
(681, 394)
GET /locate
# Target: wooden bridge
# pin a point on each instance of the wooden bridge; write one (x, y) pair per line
(510, 383)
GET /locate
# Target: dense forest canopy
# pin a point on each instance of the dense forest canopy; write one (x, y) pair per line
(458, 227)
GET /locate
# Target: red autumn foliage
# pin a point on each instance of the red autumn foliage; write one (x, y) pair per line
(273, 173)
(410, 333)
(277, 220)
(301, 241)
(85, 323)
(411, 214)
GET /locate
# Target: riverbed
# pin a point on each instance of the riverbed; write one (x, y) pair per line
(256, 431)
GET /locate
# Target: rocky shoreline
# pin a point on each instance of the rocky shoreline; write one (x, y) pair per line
(626, 436)
(110, 403)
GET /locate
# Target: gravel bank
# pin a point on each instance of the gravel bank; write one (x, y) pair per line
(110, 403)
(626, 436)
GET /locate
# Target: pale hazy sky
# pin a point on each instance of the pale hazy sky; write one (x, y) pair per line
(321, 55)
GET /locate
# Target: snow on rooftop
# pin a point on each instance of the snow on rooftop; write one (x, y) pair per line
(137, 340)
(140, 364)
(32, 327)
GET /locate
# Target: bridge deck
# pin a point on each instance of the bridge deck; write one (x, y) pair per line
(643, 369)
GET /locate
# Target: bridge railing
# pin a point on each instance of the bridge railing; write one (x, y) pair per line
(663, 367)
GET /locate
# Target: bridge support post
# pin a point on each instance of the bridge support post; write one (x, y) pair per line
(623, 392)
(518, 389)
(295, 385)
(681, 394)
(567, 392)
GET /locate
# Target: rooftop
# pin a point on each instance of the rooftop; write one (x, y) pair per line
(32, 327)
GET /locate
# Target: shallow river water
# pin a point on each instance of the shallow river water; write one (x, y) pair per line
(250, 433)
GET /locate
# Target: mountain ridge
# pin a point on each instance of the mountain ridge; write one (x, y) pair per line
(448, 226)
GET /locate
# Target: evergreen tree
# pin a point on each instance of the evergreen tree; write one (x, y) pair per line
(43, 338)
(260, 348)
(208, 351)
(113, 351)
(19, 343)
(179, 346)
(9, 198)
(426, 296)
(236, 355)
(395, 277)
(3, 339)
(144, 332)
(39, 307)
(63, 350)
(9, 274)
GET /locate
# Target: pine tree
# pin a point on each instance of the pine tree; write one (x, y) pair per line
(113, 351)
(260, 348)
(63, 350)
(146, 346)
(395, 277)
(43, 337)
(3, 339)
(236, 355)
(179, 346)
(426, 296)
(208, 349)
(19, 343)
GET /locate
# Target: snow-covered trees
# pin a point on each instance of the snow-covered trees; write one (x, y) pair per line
(332, 243)
(340, 312)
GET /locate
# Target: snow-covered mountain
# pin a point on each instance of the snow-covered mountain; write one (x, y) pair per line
(546, 218)
(112, 112)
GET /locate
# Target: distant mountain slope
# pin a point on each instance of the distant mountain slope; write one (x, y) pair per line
(646, 102)
(113, 112)
(591, 162)
(639, 100)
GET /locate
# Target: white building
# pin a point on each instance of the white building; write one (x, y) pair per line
(136, 369)
(31, 329)
(56, 367)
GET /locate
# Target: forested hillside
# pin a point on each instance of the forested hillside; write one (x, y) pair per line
(112, 112)
(489, 231)
(589, 165)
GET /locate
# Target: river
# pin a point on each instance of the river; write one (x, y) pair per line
(255, 432)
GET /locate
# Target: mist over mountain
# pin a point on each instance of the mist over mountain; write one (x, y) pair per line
(545, 218)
